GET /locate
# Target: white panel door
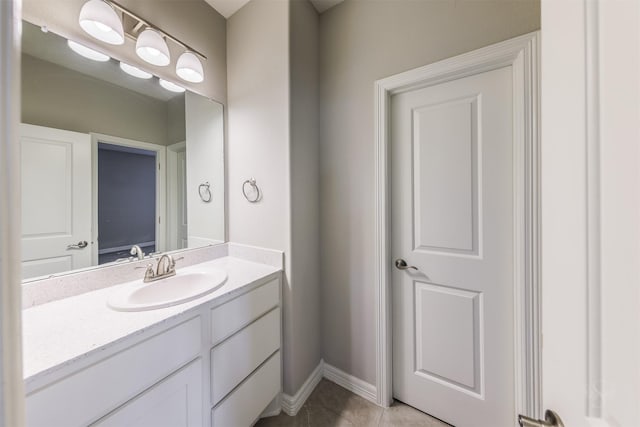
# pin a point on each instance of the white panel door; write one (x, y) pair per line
(56, 200)
(591, 211)
(452, 218)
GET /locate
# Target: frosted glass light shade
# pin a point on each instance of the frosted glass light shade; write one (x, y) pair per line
(171, 86)
(189, 68)
(135, 71)
(152, 48)
(87, 52)
(101, 21)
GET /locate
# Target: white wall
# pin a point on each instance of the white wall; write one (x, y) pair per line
(258, 135)
(360, 42)
(272, 48)
(205, 163)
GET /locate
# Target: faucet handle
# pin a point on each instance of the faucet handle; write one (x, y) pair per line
(149, 273)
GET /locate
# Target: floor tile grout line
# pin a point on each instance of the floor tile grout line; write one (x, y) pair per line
(381, 416)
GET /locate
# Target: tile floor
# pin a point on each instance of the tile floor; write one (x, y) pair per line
(333, 406)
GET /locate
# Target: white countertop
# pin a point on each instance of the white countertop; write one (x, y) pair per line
(62, 332)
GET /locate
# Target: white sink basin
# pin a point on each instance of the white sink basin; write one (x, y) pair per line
(178, 289)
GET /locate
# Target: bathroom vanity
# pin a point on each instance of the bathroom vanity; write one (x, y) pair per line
(213, 361)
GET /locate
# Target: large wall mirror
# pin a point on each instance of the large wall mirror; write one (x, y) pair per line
(110, 161)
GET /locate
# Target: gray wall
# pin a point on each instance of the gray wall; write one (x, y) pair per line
(61, 98)
(272, 48)
(360, 42)
(193, 21)
(176, 119)
(305, 189)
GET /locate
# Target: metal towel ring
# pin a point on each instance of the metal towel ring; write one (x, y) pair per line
(252, 183)
(204, 191)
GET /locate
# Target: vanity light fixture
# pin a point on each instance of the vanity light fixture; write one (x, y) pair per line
(152, 48)
(109, 21)
(134, 71)
(100, 20)
(189, 68)
(171, 86)
(88, 53)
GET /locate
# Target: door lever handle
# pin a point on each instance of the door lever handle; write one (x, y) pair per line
(80, 245)
(402, 265)
(551, 419)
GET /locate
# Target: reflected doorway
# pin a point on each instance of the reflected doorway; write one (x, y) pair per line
(126, 201)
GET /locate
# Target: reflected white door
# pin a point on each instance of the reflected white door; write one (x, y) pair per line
(56, 200)
(452, 218)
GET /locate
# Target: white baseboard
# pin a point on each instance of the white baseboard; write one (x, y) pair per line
(292, 404)
(351, 383)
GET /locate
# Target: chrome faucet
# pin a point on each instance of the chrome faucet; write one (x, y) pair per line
(166, 267)
(136, 251)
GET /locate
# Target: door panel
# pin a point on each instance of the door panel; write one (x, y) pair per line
(446, 152)
(452, 218)
(56, 199)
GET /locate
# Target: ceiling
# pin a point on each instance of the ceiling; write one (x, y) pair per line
(228, 7)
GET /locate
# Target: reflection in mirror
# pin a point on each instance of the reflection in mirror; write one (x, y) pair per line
(111, 161)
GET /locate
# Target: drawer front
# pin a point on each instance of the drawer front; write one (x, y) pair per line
(232, 316)
(174, 402)
(234, 359)
(242, 407)
(89, 394)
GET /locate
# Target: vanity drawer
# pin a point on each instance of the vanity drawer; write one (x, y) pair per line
(246, 403)
(234, 359)
(86, 395)
(232, 316)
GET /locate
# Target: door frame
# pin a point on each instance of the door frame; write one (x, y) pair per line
(11, 380)
(172, 190)
(522, 55)
(161, 153)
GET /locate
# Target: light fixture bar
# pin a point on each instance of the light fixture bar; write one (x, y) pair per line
(150, 25)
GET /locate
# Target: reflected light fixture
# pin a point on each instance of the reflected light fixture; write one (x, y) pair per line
(152, 47)
(189, 68)
(100, 20)
(134, 71)
(171, 86)
(87, 52)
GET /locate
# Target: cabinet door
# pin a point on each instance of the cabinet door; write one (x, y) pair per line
(174, 402)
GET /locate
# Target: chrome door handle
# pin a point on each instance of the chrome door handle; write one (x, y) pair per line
(402, 265)
(80, 245)
(551, 419)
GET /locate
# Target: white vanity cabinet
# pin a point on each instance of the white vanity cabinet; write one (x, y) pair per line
(245, 359)
(175, 401)
(217, 364)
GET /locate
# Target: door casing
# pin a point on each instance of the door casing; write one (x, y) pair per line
(522, 55)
